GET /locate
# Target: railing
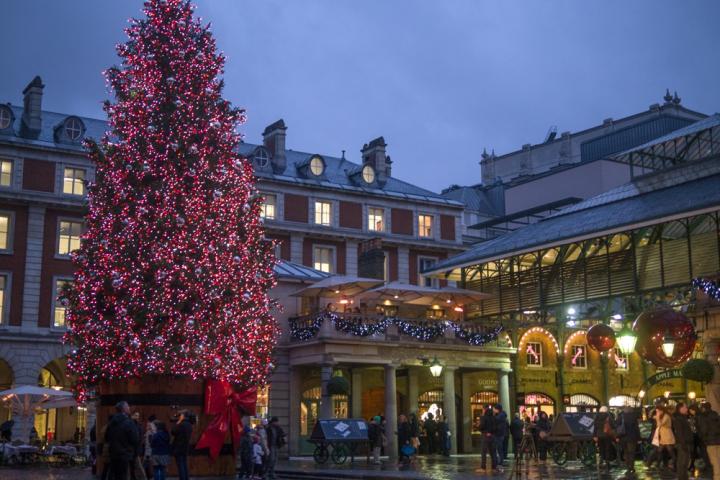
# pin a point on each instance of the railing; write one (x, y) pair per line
(377, 327)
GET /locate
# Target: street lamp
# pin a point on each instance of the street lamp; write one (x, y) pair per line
(435, 368)
(668, 345)
(626, 340)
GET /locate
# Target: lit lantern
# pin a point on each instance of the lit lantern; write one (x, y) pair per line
(668, 345)
(626, 340)
(435, 368)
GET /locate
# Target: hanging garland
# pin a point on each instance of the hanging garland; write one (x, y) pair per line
(475, 338)
(710, 288)
(360, 329)
(305, 333)
(425, 332)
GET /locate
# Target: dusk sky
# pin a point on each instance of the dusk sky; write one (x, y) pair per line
(439, 80)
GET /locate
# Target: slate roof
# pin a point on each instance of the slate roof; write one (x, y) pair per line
(665, 194)
(295, 271)
(473, 197)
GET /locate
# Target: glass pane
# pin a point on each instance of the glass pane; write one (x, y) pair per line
(4, 231)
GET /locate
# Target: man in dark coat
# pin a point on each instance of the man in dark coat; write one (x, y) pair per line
(516, 430)
(501, 433)
(275, 440)
(629, 434)
(430, 426)
(123, 441)
(487, 440)
(182, 431)
(709, 430)
(683, 440)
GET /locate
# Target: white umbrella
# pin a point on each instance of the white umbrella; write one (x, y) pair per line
(338, 286)
(23, 401)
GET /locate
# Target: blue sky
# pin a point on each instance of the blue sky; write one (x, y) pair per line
(439, 80)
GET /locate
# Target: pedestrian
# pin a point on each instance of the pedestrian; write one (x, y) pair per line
(683, 440)
(501, 433)
(414, 432)
(628, 432)
(246, 454)
(487, 441)
(261, 432)
(150, 430)
(663, 439)
(375, 438)
(258, 454)
(403, 433)
(709, 430)
(276, 440)
(699, 450)
(604, 435)
(516, 430)
(543, 428)
(443, 436)
(182, 431)
(430, 426)
(160, 447)
(137, 470)
(122, 441)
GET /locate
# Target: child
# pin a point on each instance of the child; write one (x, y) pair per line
(258, 454)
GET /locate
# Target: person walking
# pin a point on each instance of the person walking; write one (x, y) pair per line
(604, 435)
(430, 426)
(182, 431)
(501, 433)
(122, 441)
(261, 432)
(246, 454)
(628, 431)
(683, 440)
(276, 440)
(258, 454)
(404, 436)
(663, 438)
(709, 431)
(160, 447)
(443, 436)
(414, 432)
(375, 438)
(516, 430)
(487, 440)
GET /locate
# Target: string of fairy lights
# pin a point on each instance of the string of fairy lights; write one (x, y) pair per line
(427, 331)
(709, 287)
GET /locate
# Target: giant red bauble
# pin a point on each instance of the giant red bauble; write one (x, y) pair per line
(651, 327)
(600, 337)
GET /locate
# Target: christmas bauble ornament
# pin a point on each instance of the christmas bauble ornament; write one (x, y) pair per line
(600, 337)
(653, 327)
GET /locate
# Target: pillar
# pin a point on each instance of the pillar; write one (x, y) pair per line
(356, 390)
(503, 377)
(465, 391)
(561, 382)
(413, 391)
(294, 411)
(449, 406)
(391, 411)
(326, 407)
(33, 267)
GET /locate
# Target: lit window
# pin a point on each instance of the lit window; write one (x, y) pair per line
(423, 264)
(322, 213)
(323, 259)
(425, 225)
(74, 181)
(317, 166)
(60, 306)
(622, 361)
(267, 209)
(534, 354)
(5, 223)
(579, 357)
(3, 297)
(73, 128)
(69, 238)
(6, 169)
(5, 117)
(368, 174)
(375, 219)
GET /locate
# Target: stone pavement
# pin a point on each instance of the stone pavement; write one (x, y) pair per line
(461, 467)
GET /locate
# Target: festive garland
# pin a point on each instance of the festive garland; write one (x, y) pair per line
(425, 332)
(711, 289)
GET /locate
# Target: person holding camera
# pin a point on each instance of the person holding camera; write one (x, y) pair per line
(182, 431)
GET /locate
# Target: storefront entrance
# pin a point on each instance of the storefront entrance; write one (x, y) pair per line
(534, 403)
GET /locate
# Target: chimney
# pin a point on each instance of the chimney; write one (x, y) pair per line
(373, 153)
(31, 123)
(274, 142)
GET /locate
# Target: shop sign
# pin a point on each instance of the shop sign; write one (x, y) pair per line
(663, 376)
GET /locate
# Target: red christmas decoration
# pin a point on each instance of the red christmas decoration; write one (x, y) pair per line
(173, 272)
(653, 326)
(600, 337)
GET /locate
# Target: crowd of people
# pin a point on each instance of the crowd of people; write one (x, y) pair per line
(133, 451)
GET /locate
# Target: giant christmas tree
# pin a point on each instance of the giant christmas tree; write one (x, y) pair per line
(173, 272)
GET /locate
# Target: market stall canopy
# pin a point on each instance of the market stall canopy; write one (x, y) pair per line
(23, 400)
(338, 286)
(451, 295)
(400, 292)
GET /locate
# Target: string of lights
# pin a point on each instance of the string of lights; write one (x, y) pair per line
(710, 288)
(476, 338)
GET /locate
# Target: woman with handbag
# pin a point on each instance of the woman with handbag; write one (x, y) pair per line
(663, 438)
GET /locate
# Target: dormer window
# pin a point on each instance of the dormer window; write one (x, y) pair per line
(74, 128)
(261, 157)
(6, 117)
(317, 165)
(368, 174)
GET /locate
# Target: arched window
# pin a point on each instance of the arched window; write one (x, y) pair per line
(624, 401)
(478, 402)
(261, 157)
(368, 174)
(431, 402)
(73, 128)
(317, 165)
(581, 402)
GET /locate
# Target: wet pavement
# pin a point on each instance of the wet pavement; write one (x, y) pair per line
(461, 467)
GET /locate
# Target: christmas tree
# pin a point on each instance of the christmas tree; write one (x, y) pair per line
(173, 272)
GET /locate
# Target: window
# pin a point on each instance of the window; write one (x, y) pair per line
(322, 213)
(5, 227)
(323, 259)
(423, 264)
(4, 297)
(317, 166)
(5, 117)
(69, 237)
(622, 361)
(74, 181)
(534, 354)
(73, 128)
(579, 357)
(6, 170)
(60, 306)
(375, 219)
(425, 225)
(261, 158)
(368, 174)
(267, 209)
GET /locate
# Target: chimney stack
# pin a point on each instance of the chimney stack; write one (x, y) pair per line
(31, 123)
(373, 153)
(274, 141)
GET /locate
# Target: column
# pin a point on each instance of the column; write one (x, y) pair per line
(326, 407)
(413, 391)
(605, 378)
(449, 406)
(465, 392)
(356, 390)
(33, 267)
(391, 411)
(294, 411)
(561, 381)
(504, 391)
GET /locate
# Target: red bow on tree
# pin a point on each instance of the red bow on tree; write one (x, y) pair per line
(228, 406)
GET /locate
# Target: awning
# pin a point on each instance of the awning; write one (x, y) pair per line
(338, 286)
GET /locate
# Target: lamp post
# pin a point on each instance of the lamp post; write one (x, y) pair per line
(435, 368)
(626, 340)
